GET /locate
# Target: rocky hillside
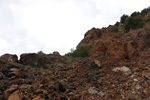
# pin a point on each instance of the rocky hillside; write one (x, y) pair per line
(119, 46)
(117, 68)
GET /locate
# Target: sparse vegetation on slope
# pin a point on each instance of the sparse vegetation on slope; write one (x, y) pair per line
(81, 51)
(134, 21)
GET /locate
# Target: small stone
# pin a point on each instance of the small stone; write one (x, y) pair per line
(85, 61)
(146, 75)
(1, 76)
(5, 70)
(137, 87)
(62, 88)
(14, 70)
(11, 89)
(92, 90)
(38, 91)
(45, 81)
(58, 98)
(71, 93)
(102, 93)
(37, 98)
(14, 96)
(135, 80)
(95, 64)
(20, 74)
(123, 69)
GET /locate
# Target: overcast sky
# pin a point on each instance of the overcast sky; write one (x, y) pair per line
(56, 25)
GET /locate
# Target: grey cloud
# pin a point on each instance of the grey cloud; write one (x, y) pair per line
(15, 38)
(88, 8)
(6, 17)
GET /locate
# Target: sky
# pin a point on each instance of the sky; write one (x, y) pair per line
(29, 26)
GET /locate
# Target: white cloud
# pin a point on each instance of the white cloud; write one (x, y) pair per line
(49, 25)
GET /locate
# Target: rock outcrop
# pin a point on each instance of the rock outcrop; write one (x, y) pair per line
(118, 46)
(40, 60)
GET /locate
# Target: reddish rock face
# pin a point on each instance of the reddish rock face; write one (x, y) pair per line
(119, 46)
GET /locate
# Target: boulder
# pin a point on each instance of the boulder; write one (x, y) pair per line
(56, 53)
(11, 89)
(14, 96)
(34, 59)
(9, 58)
(39, 60)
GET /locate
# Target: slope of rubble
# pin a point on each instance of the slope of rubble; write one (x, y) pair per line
(117, 68)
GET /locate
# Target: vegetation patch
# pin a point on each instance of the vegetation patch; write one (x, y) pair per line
(81, 51)
(115, 30)
(133, 23)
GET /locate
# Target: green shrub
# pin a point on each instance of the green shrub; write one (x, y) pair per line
(40, 52)
(81, 51)
(145, 11)
(135, 14)
(133, 23)
(123, 18)
(115, 30)
(117, 23)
